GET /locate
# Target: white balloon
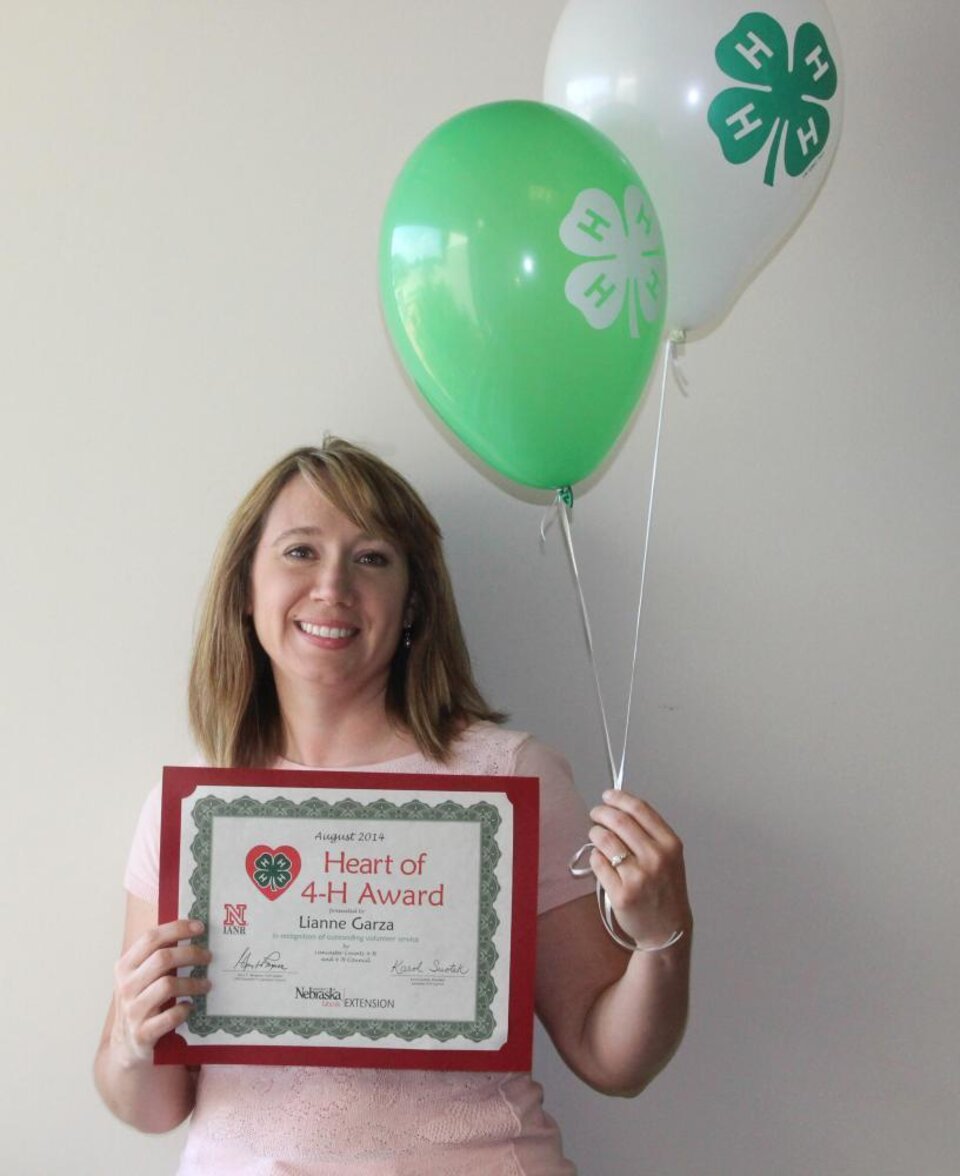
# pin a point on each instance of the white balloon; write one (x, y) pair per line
(645, 72)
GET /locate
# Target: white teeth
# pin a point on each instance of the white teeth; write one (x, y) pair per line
(324, 630)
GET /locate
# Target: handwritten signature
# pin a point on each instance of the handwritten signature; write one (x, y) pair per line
(271, 962)
(436, 968)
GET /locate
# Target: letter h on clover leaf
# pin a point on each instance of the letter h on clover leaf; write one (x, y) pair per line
(782, 99)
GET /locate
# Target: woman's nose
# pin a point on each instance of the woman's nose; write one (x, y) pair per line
(333, 582)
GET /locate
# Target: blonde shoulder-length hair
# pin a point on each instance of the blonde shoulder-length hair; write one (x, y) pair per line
(431, 691)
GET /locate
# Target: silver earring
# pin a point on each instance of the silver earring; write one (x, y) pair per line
(407, 636)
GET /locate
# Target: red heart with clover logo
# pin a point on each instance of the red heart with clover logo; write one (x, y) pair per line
(273, 871)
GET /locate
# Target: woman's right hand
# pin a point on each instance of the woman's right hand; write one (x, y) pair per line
(146, 979)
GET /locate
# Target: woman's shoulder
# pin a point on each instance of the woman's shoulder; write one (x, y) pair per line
(486, 749)
(492, 750)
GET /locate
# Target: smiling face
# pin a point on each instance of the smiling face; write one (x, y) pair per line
(328, 601)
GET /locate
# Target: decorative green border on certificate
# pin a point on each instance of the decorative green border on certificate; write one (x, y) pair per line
(211, 808)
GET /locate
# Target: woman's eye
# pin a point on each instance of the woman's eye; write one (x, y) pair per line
(301, 551)
(373, 559)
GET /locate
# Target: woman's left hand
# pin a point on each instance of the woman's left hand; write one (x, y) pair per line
(647, 888)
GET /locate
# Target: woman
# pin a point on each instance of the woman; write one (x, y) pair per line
(330, 639)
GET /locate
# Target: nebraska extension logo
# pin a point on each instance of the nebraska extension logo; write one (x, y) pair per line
(235, 918)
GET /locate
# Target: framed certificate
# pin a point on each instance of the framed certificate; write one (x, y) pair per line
(355, 919)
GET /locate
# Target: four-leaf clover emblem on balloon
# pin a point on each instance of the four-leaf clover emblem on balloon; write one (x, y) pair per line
(782, 98)
(272, 870)
(627, 264)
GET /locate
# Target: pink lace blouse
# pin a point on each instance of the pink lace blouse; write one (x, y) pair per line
(325, 1121)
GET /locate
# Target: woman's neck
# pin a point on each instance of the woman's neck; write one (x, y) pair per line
(321, 733)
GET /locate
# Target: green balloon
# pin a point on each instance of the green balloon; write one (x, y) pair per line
(523, 281)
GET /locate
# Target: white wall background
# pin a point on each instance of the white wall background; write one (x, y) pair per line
(190, 195)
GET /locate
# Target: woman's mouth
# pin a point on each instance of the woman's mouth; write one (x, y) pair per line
(330, 632)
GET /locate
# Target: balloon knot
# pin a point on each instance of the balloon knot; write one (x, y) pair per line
(565, 494)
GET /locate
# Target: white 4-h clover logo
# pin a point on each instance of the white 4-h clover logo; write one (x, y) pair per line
(627, 265)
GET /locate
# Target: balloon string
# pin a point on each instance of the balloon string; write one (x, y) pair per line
(667, 363)
(562, 507)
(680, 378)
(563, 510)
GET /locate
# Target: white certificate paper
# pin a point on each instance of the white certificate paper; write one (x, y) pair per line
(355, 918)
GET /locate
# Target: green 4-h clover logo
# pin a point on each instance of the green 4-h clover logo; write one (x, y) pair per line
(628, 264)
(782, 98)
(272, 869)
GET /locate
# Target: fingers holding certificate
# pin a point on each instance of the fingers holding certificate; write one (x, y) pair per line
(146, 981)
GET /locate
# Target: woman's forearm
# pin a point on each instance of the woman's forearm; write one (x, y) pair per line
(148, 1097)
(636, 1024)
(147, 1004)
(632, 1026)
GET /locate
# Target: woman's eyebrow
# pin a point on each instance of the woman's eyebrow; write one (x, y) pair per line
(296, 532)
(311, 530)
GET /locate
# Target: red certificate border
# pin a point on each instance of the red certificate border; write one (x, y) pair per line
(523, 792)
